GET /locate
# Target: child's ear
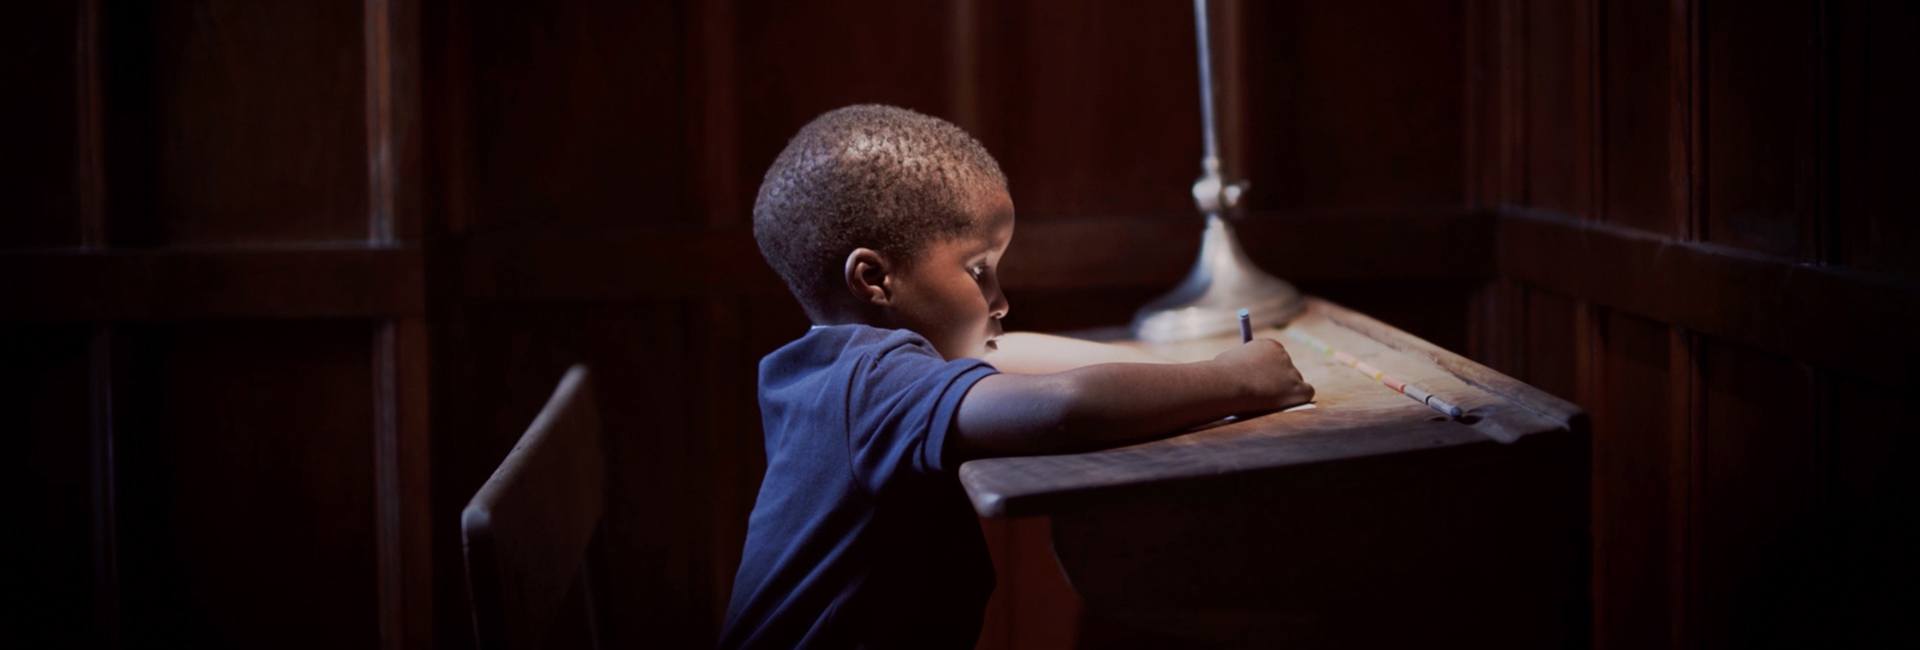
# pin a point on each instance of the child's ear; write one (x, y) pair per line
(866, 277)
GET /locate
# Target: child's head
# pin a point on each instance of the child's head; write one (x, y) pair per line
(880, 215)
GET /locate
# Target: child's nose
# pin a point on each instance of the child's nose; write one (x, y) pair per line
(998, 308)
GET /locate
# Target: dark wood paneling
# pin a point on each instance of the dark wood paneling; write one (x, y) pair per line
(578, 113)
(232, 122)
(38, 175)
(796, 61)
(223, 164)
(1492, 333)
(1495, 102)
(615, 264)
(1551, 343)
(1832, 317)
(1874, 136)
(1761, 120)
(403, 469)
(1058, 254)
(1638, 94)
(1634, 465)
(44, 387)
(1559, 104)
(1429, 244)
(246, 487)
(1741, 397)
(1092, 108)
(1482, 120)
(1760, 479)
(396, 136)
(1868, 569)
(1434, 310)
(1349, 106)
(273, 282)
(713, 76)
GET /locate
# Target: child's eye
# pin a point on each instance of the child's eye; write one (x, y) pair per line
(977, 271)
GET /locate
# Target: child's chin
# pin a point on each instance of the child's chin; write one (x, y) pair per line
(992, 345)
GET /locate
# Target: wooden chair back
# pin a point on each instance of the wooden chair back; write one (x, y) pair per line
(527, 532)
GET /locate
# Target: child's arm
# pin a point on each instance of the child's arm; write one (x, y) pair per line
(1031, 353)
(1111, 404)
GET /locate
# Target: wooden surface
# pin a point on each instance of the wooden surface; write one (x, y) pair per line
(218, 330)
(1354, 417)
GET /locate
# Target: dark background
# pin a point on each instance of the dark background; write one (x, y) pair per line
(281, 282)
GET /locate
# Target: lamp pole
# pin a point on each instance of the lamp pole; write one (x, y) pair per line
(1223, 280)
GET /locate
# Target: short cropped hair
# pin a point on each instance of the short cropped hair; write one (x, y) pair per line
(871, 176)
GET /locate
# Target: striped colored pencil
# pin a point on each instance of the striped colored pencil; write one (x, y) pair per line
(1414, 391)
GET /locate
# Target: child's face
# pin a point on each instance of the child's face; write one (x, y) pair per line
(951, 292)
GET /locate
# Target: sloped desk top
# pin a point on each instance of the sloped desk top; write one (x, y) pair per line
(1354, 416)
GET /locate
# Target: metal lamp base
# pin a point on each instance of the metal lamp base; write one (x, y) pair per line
(1222, 282)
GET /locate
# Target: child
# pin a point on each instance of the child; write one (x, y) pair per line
(888, 226)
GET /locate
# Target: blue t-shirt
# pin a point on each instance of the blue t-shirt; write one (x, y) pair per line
(861, 535)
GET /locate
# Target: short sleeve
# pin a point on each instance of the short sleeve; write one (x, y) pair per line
(901, 404)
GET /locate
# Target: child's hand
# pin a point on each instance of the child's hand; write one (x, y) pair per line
(1268, 374)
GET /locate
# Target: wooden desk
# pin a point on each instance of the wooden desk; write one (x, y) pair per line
(1370, 520)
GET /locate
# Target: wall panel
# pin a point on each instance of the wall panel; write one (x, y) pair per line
(1092, 108)
(1434, 310)
(1634, 463)
(1552, 343)
(578, 114)
(1638, 93)
(234, 122)
(38, 174)
(1743, 478)
(1759, 479)
(245, 484)
(1351, 106)
(796, 61)
(1558, 94)
(44, 390)
(1760, 100)
(1874, 135)
(1867, 565)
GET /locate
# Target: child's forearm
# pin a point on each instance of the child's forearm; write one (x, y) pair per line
(1125, 402)
(1096, 407)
